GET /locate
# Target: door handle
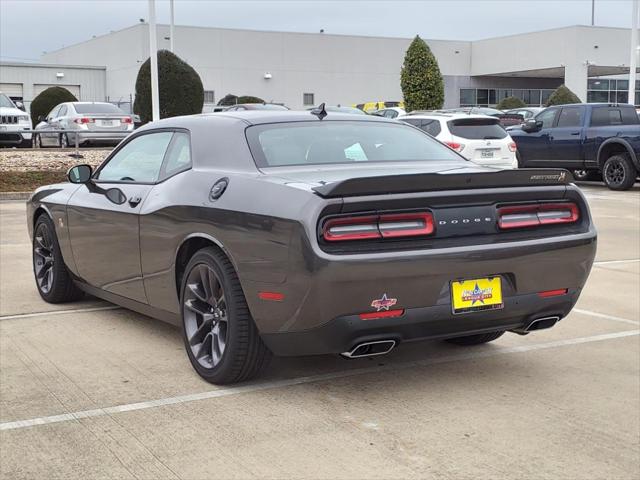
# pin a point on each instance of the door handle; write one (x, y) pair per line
(575, 133)
(135, 200)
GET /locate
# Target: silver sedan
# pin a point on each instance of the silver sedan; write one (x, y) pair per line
(90, 122)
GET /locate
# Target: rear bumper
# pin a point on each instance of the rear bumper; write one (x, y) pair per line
(426, 323)
(99, 137)
(322, 302)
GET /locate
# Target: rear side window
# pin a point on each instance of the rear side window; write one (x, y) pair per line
(570, 117)
(178, 156)
(604, 116)
(432, 127)
(477, 128)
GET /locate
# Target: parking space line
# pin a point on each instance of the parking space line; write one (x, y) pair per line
(606, 316)
(613, 262)
(228, 391)
(59, 312)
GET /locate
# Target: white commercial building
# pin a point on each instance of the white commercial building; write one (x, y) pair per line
(302, 69)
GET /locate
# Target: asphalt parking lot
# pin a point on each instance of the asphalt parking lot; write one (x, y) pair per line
(88, 390)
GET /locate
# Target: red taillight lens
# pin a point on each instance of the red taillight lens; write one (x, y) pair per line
(522, 216)
(378, 226)
(513, 147)
(382, 314)
(458, 147)
(127, 120)
(83, 120)
(553, 293)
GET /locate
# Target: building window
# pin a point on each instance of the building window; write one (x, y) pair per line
(489, 97)
(604, 90)
(467, 97)
(209, 96)
(307, 99)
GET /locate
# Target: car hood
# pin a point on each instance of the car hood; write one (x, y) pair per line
(12, 111)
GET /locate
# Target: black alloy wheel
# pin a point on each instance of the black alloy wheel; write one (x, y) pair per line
(619, 172)
(221, 339)
(53, 280)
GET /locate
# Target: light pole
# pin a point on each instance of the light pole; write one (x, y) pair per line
(171, 27)
(153, 55)
(633, 60)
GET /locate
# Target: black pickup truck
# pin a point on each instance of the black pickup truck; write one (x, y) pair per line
(598, 138)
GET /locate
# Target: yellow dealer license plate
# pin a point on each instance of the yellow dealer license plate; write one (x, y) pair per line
(476, 294)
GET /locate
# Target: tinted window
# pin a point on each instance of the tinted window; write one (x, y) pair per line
(547, 117)
(432, 127)
(477, 128)
(139, 160)
(570, 117)
(97, 108)
(178, 156)
(313, 143)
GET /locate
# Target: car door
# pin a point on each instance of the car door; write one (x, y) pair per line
(566, 138)
(103, 215)
(534, 147)
(49, 139)
(58, 122)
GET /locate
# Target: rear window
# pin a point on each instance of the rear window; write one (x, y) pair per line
(603, 116)
(477, 128)
(88, 108)
(315, 143)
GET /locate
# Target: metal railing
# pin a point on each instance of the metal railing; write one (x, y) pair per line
(59, 132)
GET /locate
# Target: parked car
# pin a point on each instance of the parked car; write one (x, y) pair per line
(256, 106)
(506, 119)
(370, 107)
(595, 137)
(392, 112)
(297, 233)
(213, 108)
(478, 138)
(13, 123)
(89, 122)
(526, 112)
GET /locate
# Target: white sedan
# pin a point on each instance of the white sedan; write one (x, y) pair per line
(478, 138)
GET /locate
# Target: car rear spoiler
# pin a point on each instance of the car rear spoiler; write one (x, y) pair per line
(425, 182)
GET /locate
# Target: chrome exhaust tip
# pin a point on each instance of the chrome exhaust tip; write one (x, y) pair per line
(370, 349)
(542, 323)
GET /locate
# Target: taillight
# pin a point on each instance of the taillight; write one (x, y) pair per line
(458, 147)
(513, 147)
(83, 120)
(522, 216)
(127, 120)
(378, 226)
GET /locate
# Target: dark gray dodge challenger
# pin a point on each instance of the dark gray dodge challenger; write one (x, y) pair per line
(296, 233)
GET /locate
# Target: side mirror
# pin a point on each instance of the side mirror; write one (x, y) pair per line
(20, 105)
(532, 125)
(79, 174)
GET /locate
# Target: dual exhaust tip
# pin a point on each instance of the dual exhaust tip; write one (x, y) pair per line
(382, 347)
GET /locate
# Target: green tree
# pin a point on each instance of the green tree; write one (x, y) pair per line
(420, 78)
(180, 88)
(510, 102)
(562, 96)
(47, 99)
(228, 100)
(249, 99)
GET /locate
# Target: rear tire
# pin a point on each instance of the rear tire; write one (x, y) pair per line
(220, 336)
(53, 280)
(619, 173)
(476, 339)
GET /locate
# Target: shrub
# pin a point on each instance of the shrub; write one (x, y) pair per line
(180, 88)
(228, 100)
(561, 96)
(47, 99)
(510, 102)
(420, 78)
(249, 99)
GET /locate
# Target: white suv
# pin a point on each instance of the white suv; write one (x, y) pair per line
(13, 122)
(478, 138)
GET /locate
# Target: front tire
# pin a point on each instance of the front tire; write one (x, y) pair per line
(53, 280)
(476, 339)
(619, 173)
(220, 336)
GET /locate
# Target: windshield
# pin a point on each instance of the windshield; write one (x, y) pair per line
(477, 128)
(97, 108)
(317, 143)
(5, 102)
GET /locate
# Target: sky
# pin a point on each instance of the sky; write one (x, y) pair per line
(29, 27)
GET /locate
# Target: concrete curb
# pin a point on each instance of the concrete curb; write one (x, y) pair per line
(14, 195)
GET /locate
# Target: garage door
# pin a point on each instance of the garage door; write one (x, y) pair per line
(75, 89)
(12, 90)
